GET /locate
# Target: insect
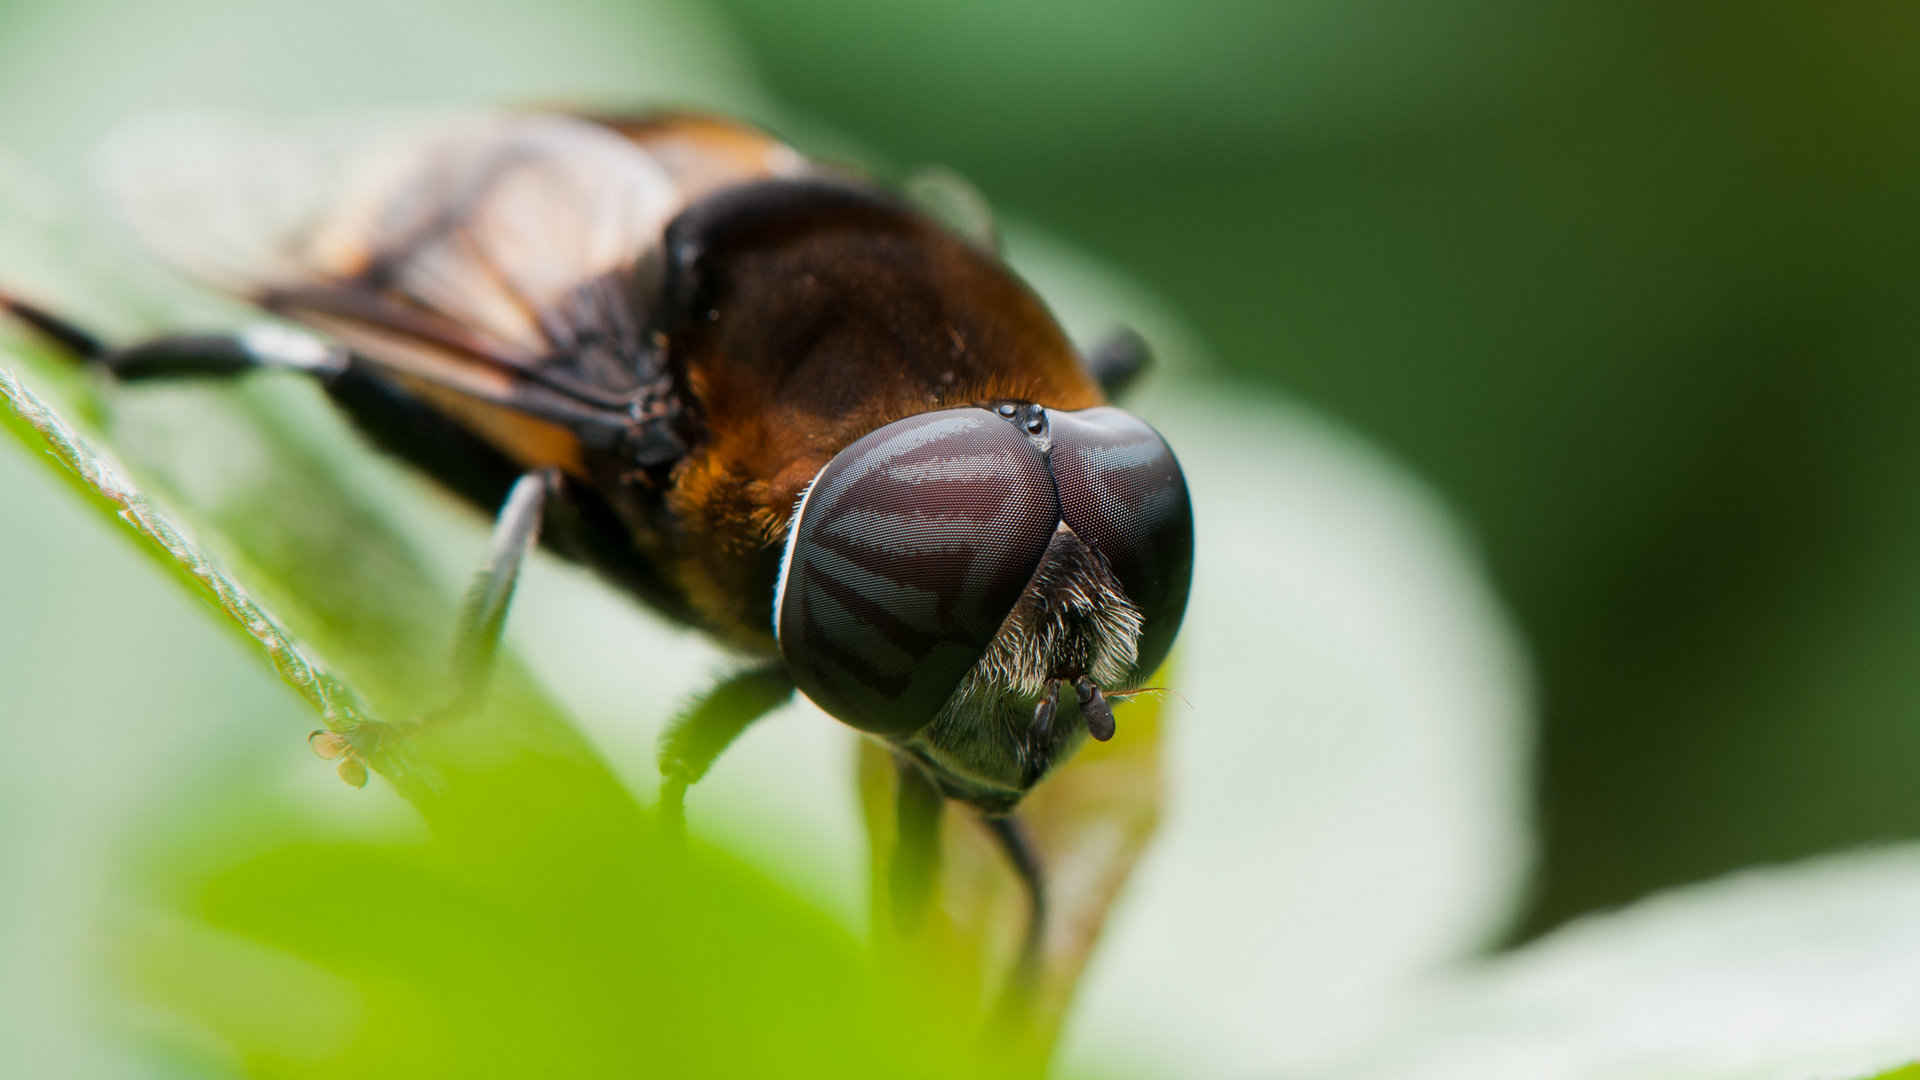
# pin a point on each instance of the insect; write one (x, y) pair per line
(768, 398)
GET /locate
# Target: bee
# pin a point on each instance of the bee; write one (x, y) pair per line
(769, 398)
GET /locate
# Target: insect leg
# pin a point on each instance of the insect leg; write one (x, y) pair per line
(483, 612)
(916, 851)
(1017, 845)
(257, 347)
(55, 328)
(516, 529)
(395, 421)
(172, 355)
(698, 736)
(1117, 360)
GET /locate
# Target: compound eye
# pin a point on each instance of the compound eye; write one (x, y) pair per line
(907, 553)
(1123, 492)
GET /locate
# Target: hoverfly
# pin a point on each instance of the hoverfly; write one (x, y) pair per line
(768, 398)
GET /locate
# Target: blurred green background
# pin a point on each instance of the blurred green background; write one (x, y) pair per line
(1633, 285)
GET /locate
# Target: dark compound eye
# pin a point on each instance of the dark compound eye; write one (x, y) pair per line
(910, 548)
(1122, 491)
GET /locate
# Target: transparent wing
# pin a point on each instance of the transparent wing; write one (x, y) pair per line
(481, 261)
(485, 222)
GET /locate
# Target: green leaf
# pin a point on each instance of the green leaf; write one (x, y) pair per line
(104, 483)
(548, 934)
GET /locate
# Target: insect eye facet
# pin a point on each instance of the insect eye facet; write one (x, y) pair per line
(907, 553)
(1122, 491)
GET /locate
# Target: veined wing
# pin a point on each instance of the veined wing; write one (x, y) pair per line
(490, 257)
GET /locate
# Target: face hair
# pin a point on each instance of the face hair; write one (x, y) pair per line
(1073, 624)
(1073, 621)
(786, 554)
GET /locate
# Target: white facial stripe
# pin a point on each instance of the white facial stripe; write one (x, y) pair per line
(786, 557)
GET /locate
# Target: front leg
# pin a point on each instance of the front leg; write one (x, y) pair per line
(698, 736)
(1016, 843)
(915, 869)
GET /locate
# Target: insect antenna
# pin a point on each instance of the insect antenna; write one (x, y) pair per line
(1129, 695)
(1094, 709)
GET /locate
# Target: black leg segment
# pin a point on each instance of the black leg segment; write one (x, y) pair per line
(186, 355)
(696, 738)
(1017, 846)
(259, 347)
(55, 328)
(484, 611)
